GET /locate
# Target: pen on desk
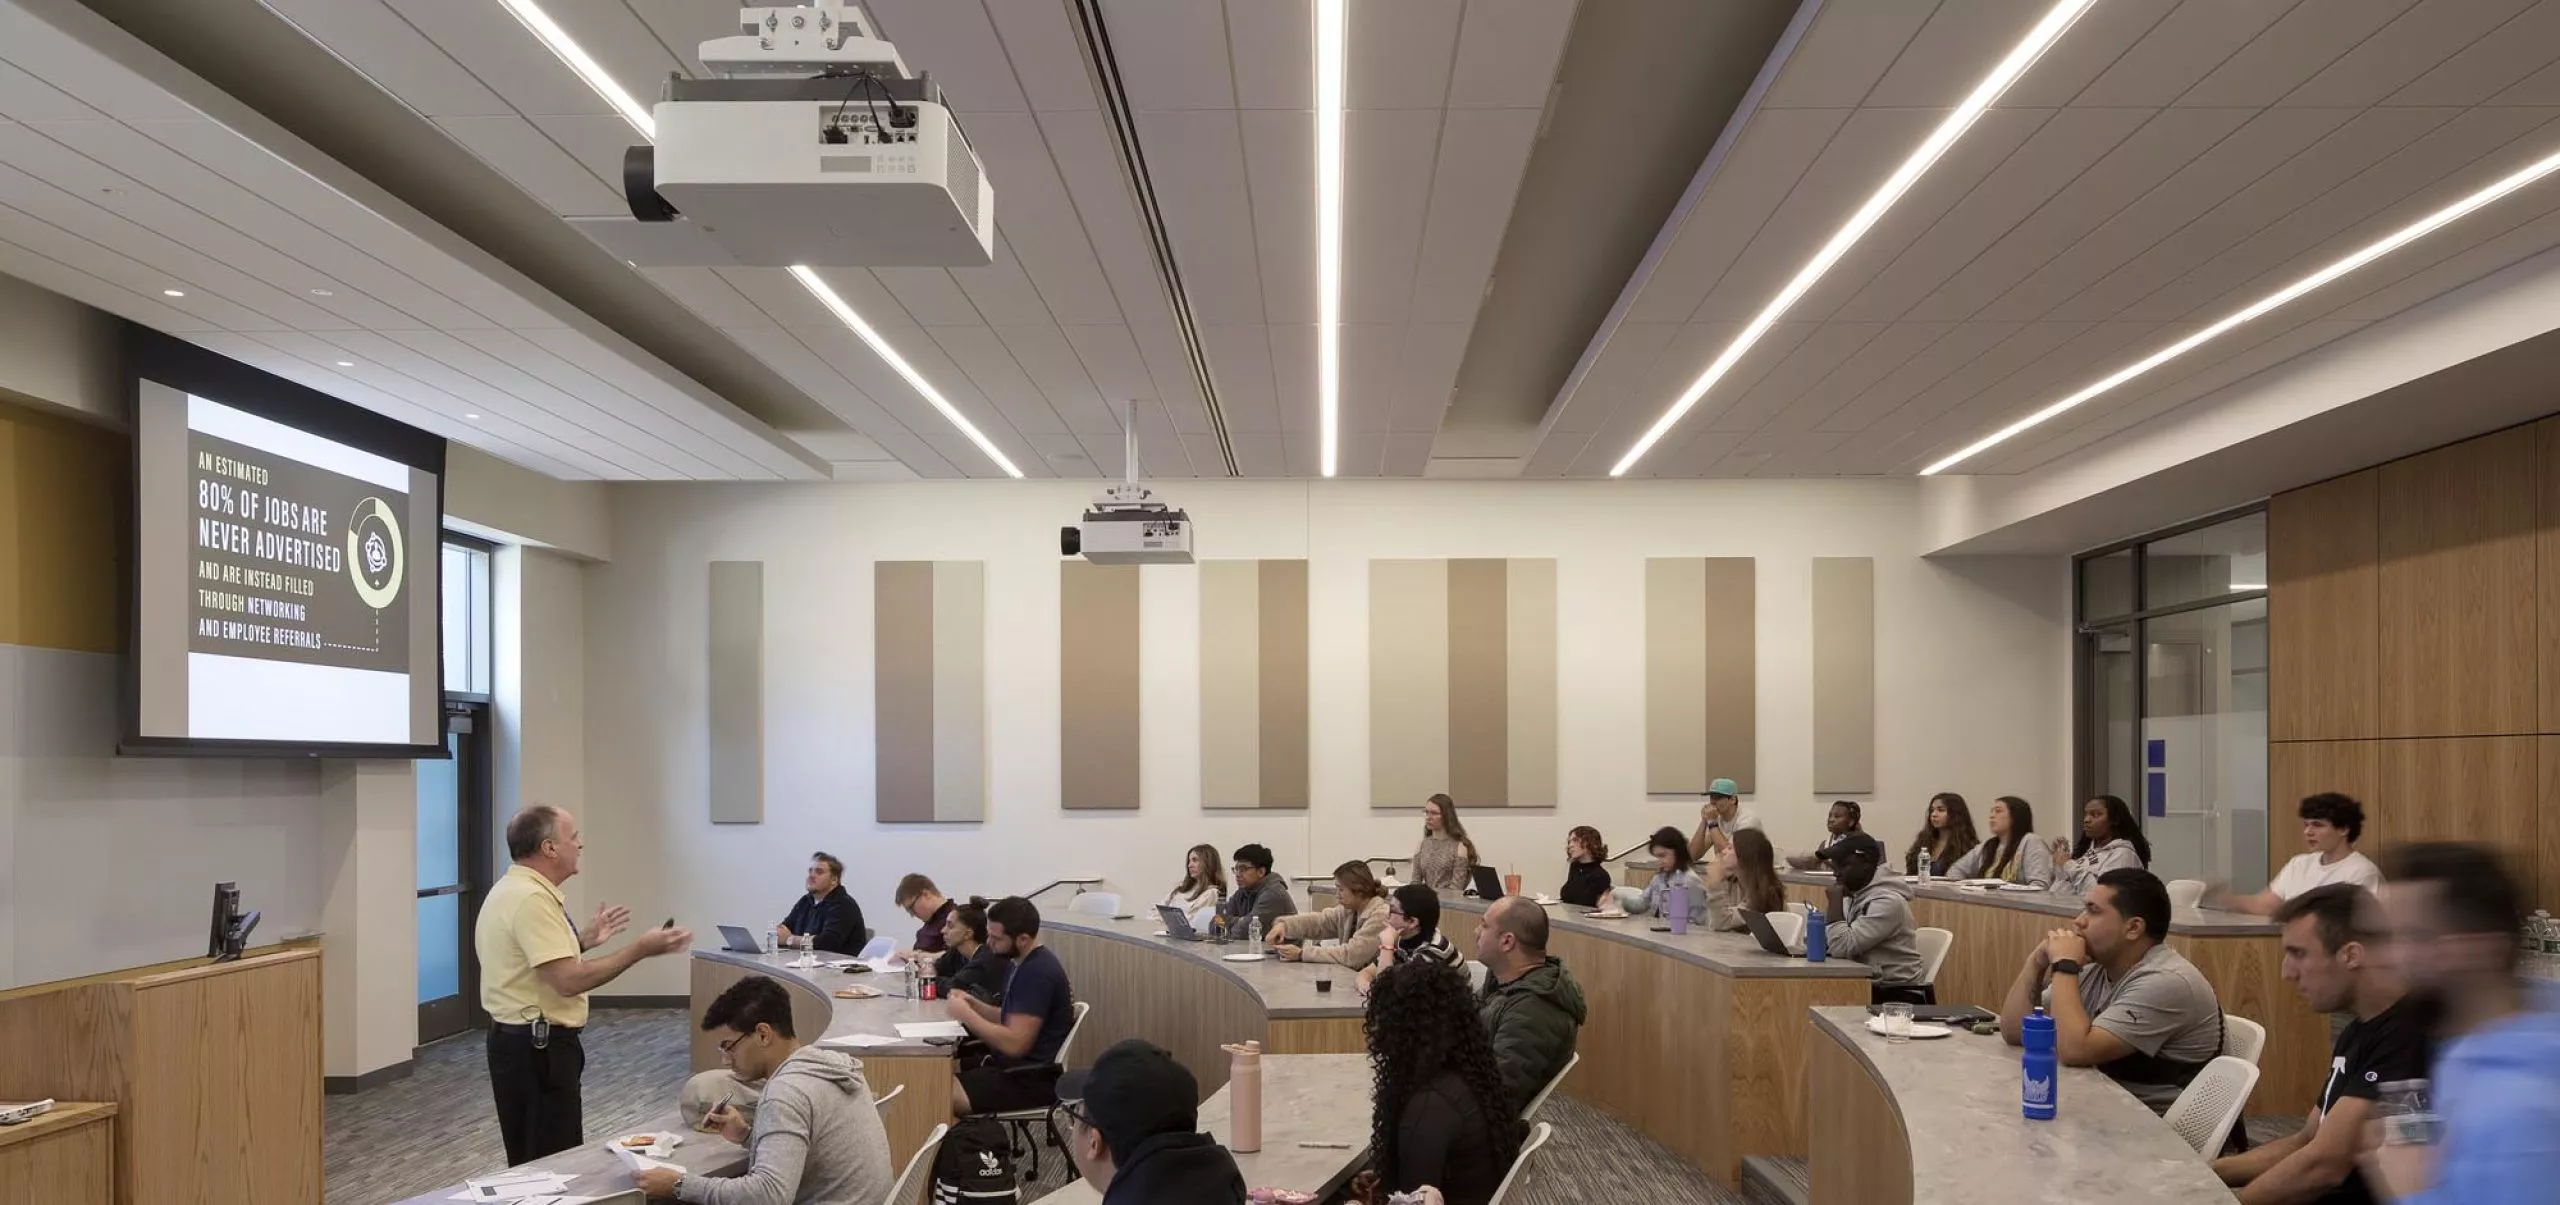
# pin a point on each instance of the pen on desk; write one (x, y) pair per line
(1325, 1146)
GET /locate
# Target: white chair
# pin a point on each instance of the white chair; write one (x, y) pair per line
(1530, 1112)
(2243, 1038)
(1096, 903)
(1020, 1121)
(1788, 924)
(1934, 944)
(1628, 899)
(2206, 1111)
(1476, 975)
(882, 1102)
(917, 1180)
(1200, 919)
(2185, 894)
(877, 949)
(1538, 1136)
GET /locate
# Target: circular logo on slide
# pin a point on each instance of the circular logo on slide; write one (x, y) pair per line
(374, 558)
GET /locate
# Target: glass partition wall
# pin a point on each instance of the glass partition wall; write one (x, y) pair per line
(2171, 679)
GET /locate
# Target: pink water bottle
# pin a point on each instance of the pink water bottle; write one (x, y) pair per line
(1244, 1097)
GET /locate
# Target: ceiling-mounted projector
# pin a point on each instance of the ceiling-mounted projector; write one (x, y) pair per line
(1129, 525)
(814, 146)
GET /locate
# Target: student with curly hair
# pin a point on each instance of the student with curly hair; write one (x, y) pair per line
(1439, 1115)
(2331, 824)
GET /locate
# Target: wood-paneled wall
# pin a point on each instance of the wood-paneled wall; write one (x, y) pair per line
(2414, 645)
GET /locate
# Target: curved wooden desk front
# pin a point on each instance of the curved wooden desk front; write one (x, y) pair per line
(1185, 997)
(816, 1014)
(1698, 1040)
(1925, 1123)
(2241, 955)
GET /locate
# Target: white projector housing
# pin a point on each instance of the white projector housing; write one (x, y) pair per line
(834, 182)
(1128, 525)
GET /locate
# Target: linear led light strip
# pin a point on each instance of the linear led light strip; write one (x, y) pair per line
(558, 40)
(2367, 254)
(2046, 32)
(1331, 36)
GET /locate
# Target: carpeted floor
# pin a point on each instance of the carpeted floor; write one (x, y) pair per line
(437, 1126)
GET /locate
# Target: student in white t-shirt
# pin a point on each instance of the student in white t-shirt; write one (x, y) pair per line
(2330, 825)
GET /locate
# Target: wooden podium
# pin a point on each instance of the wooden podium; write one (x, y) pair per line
(214, 1068)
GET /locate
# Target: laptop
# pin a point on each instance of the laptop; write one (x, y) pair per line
(1758, 924)
(1485, 884)
(1177, 924)
(739, 940)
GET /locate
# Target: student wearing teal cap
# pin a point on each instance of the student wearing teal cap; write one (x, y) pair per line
(1720, 819)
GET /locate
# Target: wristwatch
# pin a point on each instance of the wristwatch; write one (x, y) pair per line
(2066, 966)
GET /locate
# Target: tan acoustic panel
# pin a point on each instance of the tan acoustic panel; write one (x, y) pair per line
(1253, 684)
(734, 686)
(1462, 682)
(1701, 676)
(1844, 675)
(63, 494)
(2546, 584)
(2456, 594)
(929, 637)
(2323, 632)
(1098, 686)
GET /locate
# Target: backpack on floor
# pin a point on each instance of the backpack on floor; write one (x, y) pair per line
(975, 1165)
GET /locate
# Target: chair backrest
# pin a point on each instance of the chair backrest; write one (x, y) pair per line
(917, 1180)
(1788, 924)
(1200, 919)
(1067, 1049)
(2243, 1038)
(2185, 894)
(2206, 1111)
(1476, 975)
(883, 1100)
(1934, 944)
(1538, 1135)
(1096, 903)
(877, 949)
(1628, 899)
(1530, 1113)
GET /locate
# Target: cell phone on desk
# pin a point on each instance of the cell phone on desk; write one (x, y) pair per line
(1660, 928)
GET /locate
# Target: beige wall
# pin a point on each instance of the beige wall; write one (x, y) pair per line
(368, 855)
(540, 700)
(498, 500)
(59, 354)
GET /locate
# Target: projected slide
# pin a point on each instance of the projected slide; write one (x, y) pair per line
(286, 576)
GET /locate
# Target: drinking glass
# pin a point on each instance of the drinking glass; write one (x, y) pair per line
(1897, 1022)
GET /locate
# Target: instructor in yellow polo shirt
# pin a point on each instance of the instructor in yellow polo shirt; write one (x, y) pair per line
(534, 980)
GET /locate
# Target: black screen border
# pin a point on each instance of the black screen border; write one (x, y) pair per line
(167, 360)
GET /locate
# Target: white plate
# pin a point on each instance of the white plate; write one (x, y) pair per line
(1608, 914)
(1548, 901)
(2020, 887)
(661, 1144)
(1921, 1031)
(1246, 957)
(1984, 883)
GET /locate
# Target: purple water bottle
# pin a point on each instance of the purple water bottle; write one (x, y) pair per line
(1675, 905)
(2038, 1094)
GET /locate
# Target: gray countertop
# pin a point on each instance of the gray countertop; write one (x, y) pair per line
(880, 1016)
(1303, 1100)
(1287, 989)
(1733, 954)
(1959, 1102)
(2194, 922)
(599, 1172)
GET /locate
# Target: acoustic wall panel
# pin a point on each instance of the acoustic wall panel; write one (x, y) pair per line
(1462, 682)
(929, 691)
(1097, 685)
(734, 689)
(1844, 675)
(1701, 682)
(1253, 684)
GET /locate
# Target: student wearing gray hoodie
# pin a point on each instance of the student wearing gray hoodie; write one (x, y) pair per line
(817, 1137)
(1869, 919)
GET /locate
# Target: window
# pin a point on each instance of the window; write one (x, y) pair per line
(469, 661)
(2172, 683)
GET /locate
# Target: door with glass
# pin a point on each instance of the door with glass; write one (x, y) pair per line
(453, 872)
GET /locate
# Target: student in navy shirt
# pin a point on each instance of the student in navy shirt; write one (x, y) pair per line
(1024, 1033)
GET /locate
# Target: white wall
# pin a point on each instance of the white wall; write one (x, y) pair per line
(540, 700)
(1972, 679)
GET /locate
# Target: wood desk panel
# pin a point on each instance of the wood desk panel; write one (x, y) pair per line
(66, 1157)
(1173, 1000)
(1869, 1162)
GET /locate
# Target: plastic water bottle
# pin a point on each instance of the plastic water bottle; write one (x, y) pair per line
(772, 938)
(2038, 1090)
(1675, 904)
(1253, 937)
(1817, 942)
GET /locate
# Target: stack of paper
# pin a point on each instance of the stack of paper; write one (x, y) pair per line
(913, 1030)
(860, 1041)
(524, 1187)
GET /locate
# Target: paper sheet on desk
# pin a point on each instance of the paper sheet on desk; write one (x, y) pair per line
(930, 1029)
(638, 1162)
(514, 1187)
(860, 1041)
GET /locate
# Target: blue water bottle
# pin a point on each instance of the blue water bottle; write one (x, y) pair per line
(2037, 1095)
(1675, 905)
(1817, 942)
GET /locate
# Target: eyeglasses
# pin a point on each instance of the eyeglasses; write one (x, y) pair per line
(1068, 1114)
(726, 1047)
